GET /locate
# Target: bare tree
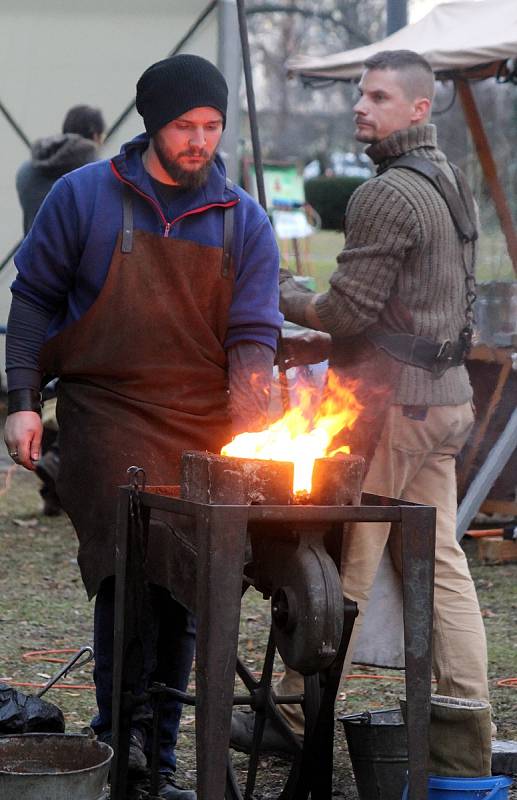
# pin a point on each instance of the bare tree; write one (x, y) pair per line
(291, 116)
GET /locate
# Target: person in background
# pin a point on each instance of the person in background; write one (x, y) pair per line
(52, 157)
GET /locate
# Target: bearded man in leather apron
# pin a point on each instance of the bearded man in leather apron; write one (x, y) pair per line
(397, 317)
(149, 285)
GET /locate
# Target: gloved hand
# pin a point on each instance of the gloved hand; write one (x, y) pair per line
(304, 347)
(294, 298)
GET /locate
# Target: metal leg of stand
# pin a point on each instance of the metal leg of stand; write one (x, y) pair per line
(220, 565)
(417, 529)
(131, 597)
(120, 720)
(317, 769)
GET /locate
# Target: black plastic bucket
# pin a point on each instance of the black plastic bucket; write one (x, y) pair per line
(377, 744)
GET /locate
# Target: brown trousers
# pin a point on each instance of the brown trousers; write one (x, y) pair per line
(415, 461)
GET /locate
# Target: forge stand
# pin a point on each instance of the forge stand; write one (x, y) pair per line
(210, 542)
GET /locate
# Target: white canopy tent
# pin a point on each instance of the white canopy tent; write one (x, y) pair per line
(454, 37)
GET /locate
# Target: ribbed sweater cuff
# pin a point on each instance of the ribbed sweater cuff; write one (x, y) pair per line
(327, 315)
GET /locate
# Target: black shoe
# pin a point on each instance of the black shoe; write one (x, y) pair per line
(168, 790)
(47, 468)
(51, 503)
(137, 761)
(273, 740)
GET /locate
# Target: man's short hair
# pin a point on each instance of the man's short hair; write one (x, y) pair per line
(84, 120)
(415, 72)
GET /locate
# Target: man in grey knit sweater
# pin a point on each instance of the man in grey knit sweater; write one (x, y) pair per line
(403, 254)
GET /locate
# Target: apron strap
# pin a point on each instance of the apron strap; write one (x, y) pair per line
(228, 220)
(127, 228)
(127, 220)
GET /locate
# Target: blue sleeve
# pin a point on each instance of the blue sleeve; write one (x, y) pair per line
(49, 254)
(254, 314)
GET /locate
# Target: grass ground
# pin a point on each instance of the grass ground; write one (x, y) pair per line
(44, 607)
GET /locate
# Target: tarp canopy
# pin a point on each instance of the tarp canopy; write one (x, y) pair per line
(454, 37)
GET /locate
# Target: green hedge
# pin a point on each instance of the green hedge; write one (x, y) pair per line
(329, 196)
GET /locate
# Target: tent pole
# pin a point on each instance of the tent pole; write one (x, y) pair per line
(259, 174)
(488, 166)
(252, 110)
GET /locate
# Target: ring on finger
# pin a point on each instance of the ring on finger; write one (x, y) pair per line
(13, 453)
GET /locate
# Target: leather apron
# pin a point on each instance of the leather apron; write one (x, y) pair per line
(142, 378)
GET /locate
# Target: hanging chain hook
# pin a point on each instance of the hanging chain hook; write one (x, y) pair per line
(137, 479)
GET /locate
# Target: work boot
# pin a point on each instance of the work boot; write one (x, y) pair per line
(47, 469)
(460, 737)
(168, 790)
(273, 739)
(137, 761)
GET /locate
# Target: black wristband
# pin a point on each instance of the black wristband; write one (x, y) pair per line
(24, 400)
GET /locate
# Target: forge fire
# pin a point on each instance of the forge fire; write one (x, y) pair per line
(305, 432)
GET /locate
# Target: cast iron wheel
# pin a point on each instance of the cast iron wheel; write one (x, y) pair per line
(261, 692)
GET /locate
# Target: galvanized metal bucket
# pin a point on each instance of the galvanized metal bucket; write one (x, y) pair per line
(53, 766)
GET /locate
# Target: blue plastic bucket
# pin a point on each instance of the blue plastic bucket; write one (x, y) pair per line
(492, 788)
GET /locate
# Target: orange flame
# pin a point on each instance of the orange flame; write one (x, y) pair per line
(303, 434)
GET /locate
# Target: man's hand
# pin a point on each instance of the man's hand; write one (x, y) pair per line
(304, 347)
(297, 303)
(22, 433)
(294, 298)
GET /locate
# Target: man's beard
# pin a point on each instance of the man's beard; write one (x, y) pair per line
(186, 178)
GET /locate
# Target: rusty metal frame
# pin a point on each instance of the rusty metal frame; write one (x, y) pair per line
(221, 533)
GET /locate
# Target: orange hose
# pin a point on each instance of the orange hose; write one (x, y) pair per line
(56, 685)
(40, 655)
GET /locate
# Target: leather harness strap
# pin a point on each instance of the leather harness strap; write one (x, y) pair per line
(417, 350)
(460, 209)
(227, 235)
(127, 219)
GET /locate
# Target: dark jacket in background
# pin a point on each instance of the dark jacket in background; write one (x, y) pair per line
(51, 158)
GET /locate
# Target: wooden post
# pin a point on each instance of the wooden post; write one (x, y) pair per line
(488, 166)
(297, 256)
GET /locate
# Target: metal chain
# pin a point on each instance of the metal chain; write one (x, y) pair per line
(470, 285)
(137, 480)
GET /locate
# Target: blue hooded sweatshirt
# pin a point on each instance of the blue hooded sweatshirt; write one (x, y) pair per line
(64, 260)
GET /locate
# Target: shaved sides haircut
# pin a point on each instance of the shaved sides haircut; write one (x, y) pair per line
(416, 75)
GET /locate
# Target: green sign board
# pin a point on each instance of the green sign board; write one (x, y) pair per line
(284, 186)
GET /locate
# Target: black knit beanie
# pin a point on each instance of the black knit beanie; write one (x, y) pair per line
(177, 84)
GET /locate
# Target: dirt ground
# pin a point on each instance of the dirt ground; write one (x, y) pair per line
(44, 607)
